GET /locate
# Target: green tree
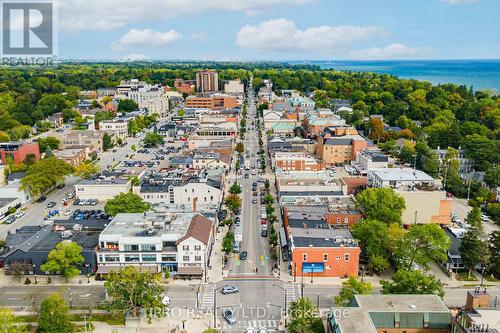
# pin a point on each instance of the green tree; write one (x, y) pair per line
(227, 242)
(494, 242)
(107, 143)
(210, 330)
(422, 244)
(235, 188)
(133, 147)
(302, 314)
(233, 202)
(474, 217)
(130, 290)
(45, 174)
(181, 112)
(268, 199)
(8, 322)
(133, 128)
(474, 249)
(49, 141)
(382, 204)
(126, 203)
(350, 288)
(240, 148)
(412, 282)
(87, 170)
(492, 176)
(153, 139)
(127, 105)
(4, 136)
(54, 315)
(376, 126)
(64, 259)
(267, 184)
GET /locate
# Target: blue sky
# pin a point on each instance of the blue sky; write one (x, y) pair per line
(279, 29)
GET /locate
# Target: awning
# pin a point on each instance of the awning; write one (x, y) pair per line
(108, 269)
(189, 270)
(283, 237)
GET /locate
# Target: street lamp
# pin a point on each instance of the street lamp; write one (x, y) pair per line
(284, 296)
(69, 294)
(215, 306)
(88, 273)
(34, 272)
(482, 275)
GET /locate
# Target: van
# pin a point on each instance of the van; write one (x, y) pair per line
(236, 247)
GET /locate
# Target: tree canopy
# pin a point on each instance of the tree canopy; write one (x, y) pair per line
(412, 282)
(126, 203)
(54, 315)
(64, 259)
(382, 204)
(44, 174)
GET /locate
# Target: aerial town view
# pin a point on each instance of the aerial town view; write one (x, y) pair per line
(248, 166)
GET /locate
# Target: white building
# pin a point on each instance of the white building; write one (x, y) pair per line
(13, 191)
(119, 127)
(102, 188)
(189, 194)
(466, 165)
(156, 242)
(151, 97)
(370, 159)
(398, 178)
(210, 160)
(235, 88)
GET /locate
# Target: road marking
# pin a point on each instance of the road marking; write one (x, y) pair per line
(208, 297)
(290, 293)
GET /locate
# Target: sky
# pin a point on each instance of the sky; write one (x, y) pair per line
(248, 30)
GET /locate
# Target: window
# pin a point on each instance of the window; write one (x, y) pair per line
(304, 257)
(131, 247)
(185, 258)
(325, 257)
(197, 258)
(197, 247)
(148, 257)
(346, 220)
(338, 257)
(132, 258)
(185, 247)
(346, 257)
(168, 244)
(111, 258)
(338, 220)
(168, 257)
(148, 247)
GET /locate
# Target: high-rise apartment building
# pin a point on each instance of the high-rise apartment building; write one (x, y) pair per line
(207, 81)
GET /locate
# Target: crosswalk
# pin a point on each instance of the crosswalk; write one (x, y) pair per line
(207, 300)
(270, 325)
(290, 293)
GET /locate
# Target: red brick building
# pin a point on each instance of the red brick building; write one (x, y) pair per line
(291, 161)
(213, 102)
(18, 151)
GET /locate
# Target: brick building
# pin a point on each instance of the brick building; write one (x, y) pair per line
(213, 102)
(291, 161)
(18, 151)
(340, 145)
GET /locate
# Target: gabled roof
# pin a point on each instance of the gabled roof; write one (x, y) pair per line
(200, 228)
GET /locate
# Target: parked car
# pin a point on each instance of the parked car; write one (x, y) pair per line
(228, 289)
(51, 204)
(165, 300)
(228, 315)
(243, 255)
(68, 212)
(59, 186)
(19, 214)
(236, 247)
(42, 198)
(254, 200)
(262, 330)
(10, 219)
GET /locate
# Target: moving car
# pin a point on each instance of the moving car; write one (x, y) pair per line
(228, 315)
(236, 247)
(19, 214)
(10, 219)
(51, 204)
(243, 255)
(227, 289)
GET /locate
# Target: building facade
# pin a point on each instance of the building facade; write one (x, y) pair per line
(207, 81)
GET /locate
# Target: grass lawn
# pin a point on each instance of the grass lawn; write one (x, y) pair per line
(464, 276)
(109, 318)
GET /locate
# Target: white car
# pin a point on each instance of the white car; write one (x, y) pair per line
(250, 330)
(19, 214)
(262, 330)
(484, 217)
(68, 212)
(165, 300)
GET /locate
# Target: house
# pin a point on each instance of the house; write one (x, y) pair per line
(111, 106)
(13, 191)
(101, 188)
(31, 245)
(89, 138)
(454, 261)
(466, 165)
(73, 156)
(320, 252)
(378, 313)
(195, 247)
(270, 115)
(56, 120)
(18, 151)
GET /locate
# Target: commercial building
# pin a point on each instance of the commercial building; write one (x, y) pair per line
(118, 126)
(17, 151)
(212, 102)
(8, 203)
(478, 315)
(316, 121)
(370, 159)
(340, 145)
(184, 86)
(322, 252)
(102, 188)
(398, 178)
(176, 242)
(211, 160)
(92, 139)
(235, 88)
(291, 161)
(73, 156)
(379, 313)
(207, 81)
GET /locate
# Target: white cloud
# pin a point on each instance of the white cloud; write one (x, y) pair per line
(393, 51)
(135, 57)
(146, 37)
(283, 35)
(96, 15)
(458, 2)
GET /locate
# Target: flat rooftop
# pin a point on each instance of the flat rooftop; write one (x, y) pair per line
(308, 237)
(401, 303)
(100, 181)
(402, 174)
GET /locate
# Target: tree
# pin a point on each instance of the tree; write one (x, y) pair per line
(227, 242)
(19, 268)
(107, 143)
(210, 330)
(127, 105)
(492, 176)
(494, 242)
(302, 314)
(130, 290)
(376, 126)
(64, 259)
(412, 282)
(267, 184)
(233, 202)
(181, 112)
(474, 217)
(422, 244)
(8, 322)
(133, 147)
(30, 159)
(49, 141)
(126, 203)
(54, 315)
(133, 128)
(268, 199)
(153, 139)
(45, 174)
(382, 204)
(87, 170)
(240, 148)
(474, 249)
(235, 188)
(350, 288)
